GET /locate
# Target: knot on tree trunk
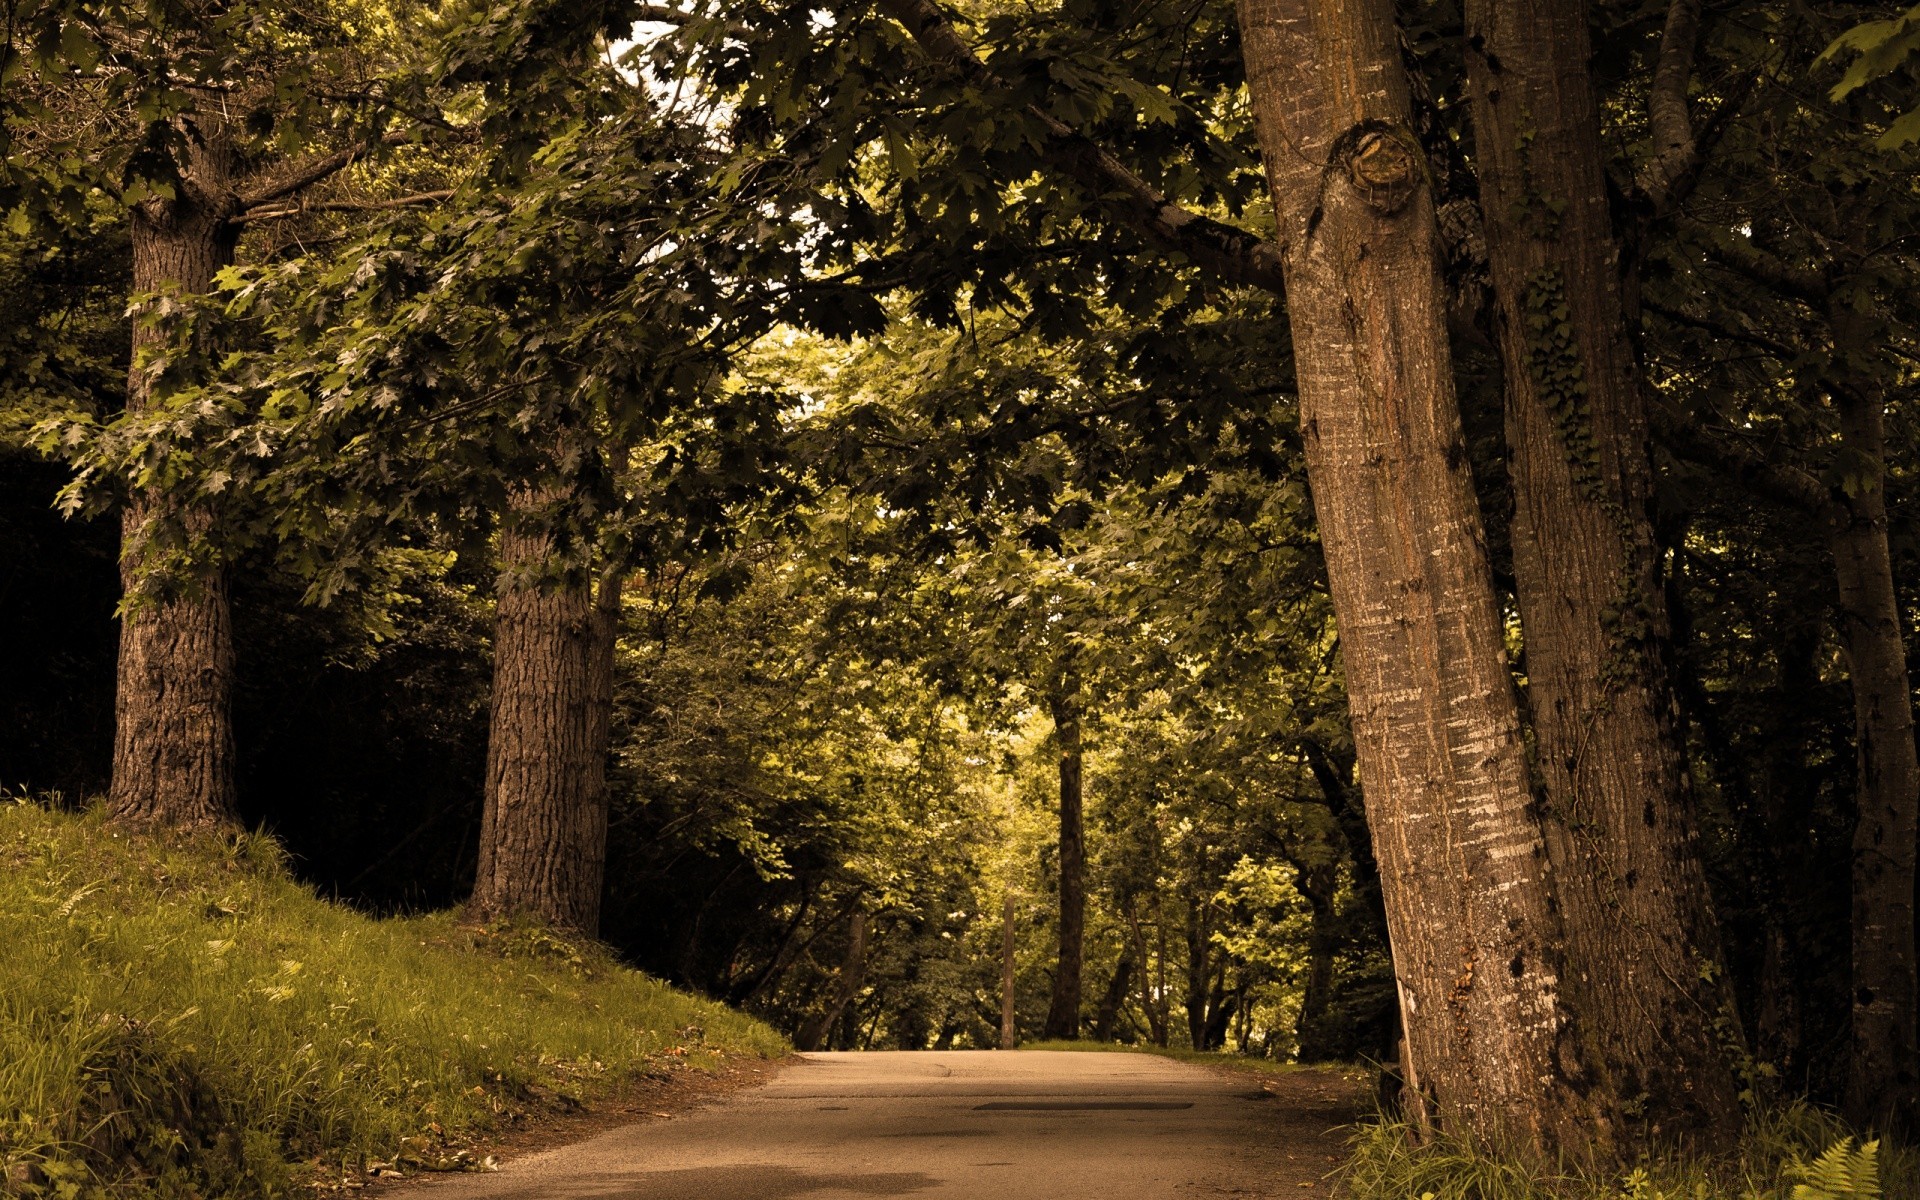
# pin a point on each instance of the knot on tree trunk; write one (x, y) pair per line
(1382, 161)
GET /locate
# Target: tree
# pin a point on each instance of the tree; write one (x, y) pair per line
(210, 112)
(1438, 735)
(1620, 828)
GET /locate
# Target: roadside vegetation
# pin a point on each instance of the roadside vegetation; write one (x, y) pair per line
(916, 518)
(1794, 1152)
(179, 1017)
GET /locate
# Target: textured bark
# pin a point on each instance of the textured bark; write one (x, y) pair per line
(1883, 1082)
(1436, 723)
(173, 729)
(1063, 1013)
(853, 969)
(1620, 832)
(544, 826)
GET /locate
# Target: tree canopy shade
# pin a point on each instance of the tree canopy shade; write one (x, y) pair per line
(1321, 527)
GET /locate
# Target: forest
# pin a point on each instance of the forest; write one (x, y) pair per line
(1365, 531)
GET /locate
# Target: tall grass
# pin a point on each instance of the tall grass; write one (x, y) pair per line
(1792, 1152)
(181, 1018)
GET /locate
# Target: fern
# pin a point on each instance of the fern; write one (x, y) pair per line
(1843, 1172)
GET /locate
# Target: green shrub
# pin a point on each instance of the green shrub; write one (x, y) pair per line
(179, 1017)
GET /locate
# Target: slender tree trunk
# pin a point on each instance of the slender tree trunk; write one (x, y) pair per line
(1312, 1030)
(769, 976)
(1436, 724)
(173, 727)
(853, 970)
(1063, 1014)
(1199, 971)
(1006, 972)
(1620, 831)
(1156, 1020)
(543, 830)
(1787, 788)
(1883, 1083)
(1108, 1014)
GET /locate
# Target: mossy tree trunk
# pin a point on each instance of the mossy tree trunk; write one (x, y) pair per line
(1620, 825)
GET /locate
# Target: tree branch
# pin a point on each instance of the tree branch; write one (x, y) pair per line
(1743, 258)
(1675, 154)
(1786, 485)
(1233, 254)
(408, 201)
(300, 176)
(1719, 328)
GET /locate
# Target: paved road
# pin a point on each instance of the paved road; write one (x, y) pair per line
(975, 1124)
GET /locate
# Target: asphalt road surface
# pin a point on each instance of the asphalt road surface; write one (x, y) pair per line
(983, 1125)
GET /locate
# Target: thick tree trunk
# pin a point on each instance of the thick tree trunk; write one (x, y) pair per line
(853, 969)
(1436, 724)
(544, 826)
(173, 728)
(1883, 1083)
(1063, 1014)
(1620, 831)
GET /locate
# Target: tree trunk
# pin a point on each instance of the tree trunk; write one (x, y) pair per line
(1006, 972)
(1108, 1014)
(1787, 788)
(1436, 724)
(1620, 832)
(1156, 1018)
(544, 828)
(1313, 1029)
(1199, 969)
(853, 969)
(1220, 1009)
(1883, 1083)
(743, 994)
(173, 726)
(1063, 1014)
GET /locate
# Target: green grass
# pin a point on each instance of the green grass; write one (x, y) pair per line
(180, 1018)
(1794, 1152)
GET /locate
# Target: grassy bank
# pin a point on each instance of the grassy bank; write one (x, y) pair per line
(181, 1018)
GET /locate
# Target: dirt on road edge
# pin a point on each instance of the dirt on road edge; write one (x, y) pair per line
(680, 1087)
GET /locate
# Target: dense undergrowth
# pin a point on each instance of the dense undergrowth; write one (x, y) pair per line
(179, 1017)
(1792, 1152)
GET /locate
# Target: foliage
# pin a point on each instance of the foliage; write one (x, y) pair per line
(181, 1018)
(1795, 1152)
(1879, 49)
